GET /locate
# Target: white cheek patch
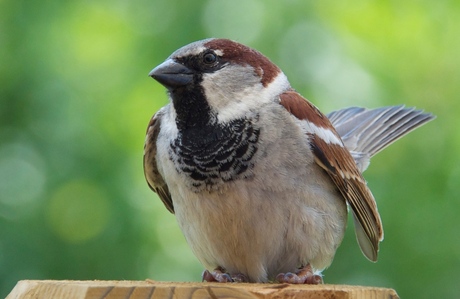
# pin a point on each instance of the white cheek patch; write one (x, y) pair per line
(279, 85)
(234, 97)
(324, 133)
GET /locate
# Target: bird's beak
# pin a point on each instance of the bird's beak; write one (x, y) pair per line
(172, 74)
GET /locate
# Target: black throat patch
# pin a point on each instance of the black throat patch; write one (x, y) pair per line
(212, 155)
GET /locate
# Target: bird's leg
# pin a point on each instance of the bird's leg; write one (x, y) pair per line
(219, 275)
(304, 275)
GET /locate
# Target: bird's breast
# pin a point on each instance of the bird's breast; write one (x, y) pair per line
(210, 156)
(249, 197)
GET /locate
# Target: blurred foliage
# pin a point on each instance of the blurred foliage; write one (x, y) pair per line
(75, 100)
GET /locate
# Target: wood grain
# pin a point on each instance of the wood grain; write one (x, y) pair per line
(149, 289)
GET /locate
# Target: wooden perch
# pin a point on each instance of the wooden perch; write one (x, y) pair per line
(149, 289)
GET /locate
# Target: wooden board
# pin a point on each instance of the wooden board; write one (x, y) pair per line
(149, 289)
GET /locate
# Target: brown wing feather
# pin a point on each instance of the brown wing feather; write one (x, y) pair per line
(337, 161)
(152, 175)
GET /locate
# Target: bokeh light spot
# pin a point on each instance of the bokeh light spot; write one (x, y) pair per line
(152, 17)
(241, 20)
(22, 176)
(318, 59)
(78, 211)
(101, 39)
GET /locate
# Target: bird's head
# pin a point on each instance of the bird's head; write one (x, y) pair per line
(218, 80)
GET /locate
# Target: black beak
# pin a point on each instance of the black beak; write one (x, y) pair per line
(172, 74)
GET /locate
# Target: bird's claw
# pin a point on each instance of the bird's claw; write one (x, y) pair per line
(219, 275)
(305, 275)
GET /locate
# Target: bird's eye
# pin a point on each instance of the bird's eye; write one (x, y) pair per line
(209, 58)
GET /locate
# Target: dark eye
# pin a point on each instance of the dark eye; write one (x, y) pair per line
(209, 58)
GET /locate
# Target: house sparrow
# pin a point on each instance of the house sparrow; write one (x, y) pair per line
(258, 178)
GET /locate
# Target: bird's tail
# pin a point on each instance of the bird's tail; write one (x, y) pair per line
(365, 132)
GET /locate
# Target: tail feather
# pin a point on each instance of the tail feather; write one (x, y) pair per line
(365, 132)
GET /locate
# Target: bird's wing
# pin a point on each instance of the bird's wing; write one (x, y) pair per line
(332, 155)
(365, 132)
(152, 175)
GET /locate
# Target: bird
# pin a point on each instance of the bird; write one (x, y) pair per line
(259, 180)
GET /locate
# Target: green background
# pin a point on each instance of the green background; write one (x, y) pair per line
(75, 100)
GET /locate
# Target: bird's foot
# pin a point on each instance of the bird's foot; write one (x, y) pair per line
(304, 275)
(216, 276)
(219, 275)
